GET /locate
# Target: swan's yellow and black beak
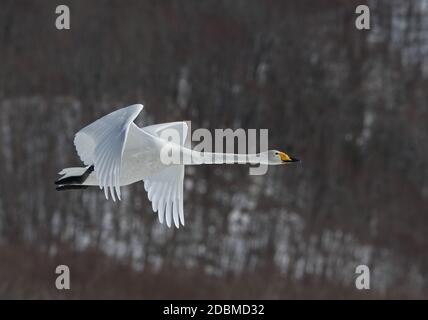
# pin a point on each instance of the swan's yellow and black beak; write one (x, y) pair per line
(286, 158)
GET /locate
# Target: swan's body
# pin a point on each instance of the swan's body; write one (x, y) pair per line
(117, 153)
(140, 158)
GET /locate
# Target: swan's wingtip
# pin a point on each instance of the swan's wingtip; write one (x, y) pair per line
(137, 107)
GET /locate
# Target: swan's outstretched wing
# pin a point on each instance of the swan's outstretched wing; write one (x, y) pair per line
(165, 188)
(102, 143)
(165, 191)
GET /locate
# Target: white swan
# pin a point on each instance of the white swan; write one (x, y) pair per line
(117, 153)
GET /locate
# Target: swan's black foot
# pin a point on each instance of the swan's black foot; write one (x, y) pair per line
(70, 187)
(76, 179)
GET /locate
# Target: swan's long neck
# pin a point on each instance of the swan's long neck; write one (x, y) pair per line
(192, 157)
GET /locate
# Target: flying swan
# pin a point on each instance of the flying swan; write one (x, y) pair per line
(117, 153)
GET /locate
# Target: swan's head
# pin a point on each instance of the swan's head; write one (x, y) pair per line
(278, 157)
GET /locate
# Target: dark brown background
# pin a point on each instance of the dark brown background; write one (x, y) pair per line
(352, 104)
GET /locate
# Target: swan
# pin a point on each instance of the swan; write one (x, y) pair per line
(116, 152)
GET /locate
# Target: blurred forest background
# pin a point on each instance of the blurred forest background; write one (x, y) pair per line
(353, 105)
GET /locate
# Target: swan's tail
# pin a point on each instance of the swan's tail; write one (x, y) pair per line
(73, 178)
